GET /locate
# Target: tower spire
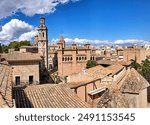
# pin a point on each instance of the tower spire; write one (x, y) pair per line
(62, 41)
(43, 40)
(42, 21)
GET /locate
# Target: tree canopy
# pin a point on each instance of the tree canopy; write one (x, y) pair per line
(91, 63)
(14, 45)
(143, 68)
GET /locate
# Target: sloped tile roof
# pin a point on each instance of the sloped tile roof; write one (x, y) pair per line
(48, 96)
(115, 67)
(5, 86)
(17, 56)
(114, 99)
(97, 72)
(134, 82)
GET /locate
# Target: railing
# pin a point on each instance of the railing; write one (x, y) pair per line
(24, 83)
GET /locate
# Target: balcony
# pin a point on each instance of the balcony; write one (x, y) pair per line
(25, 83)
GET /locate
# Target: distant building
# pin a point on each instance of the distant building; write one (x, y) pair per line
(43, 41)
(72, 59)
(52, 56)
(120, 54)
(134, 53)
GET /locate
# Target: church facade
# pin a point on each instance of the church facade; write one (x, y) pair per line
(68, 59)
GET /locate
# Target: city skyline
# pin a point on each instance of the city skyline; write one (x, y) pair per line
(96, 21)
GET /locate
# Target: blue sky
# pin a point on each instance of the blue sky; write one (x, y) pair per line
(93, 20)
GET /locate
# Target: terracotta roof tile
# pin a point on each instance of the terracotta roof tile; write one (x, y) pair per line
(21, 57)
(134, 82)
(107, 62)
(115, 67)
(97, 72)
(48, 96)
(5, 86)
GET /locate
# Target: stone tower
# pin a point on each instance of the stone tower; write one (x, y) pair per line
(43, 41)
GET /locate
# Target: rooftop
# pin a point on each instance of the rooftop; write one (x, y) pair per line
(48, 96)
(134, 82)
(28, 47)
(97, 72)
(106, 62)
(5, 86)
(13, 57)
(115, 67)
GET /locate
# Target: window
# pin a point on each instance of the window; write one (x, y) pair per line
(65, 58)
(17, 80)
(79, 58)
(30, 79)
(93, 57)
(50, 66)
(43, 34)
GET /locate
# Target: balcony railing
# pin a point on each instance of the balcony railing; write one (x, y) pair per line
(25, 83)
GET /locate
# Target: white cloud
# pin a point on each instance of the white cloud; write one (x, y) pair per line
(83, 41)
(130, 41)
(17, 30)
(29, 7)
(103, 42)
(28, 36)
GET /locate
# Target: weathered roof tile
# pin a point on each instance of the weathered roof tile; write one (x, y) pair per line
(48, 96)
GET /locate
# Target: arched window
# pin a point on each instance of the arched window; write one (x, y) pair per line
(79, 58)
(71, 58)
(68, 58)
(43, 34)
(85, 58)
(91, 58)
(63, 59)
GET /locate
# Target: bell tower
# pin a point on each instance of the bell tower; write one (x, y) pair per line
(43, 41)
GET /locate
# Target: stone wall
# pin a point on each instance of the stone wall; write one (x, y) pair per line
(24, 70)
(133, 53)
(72, 61)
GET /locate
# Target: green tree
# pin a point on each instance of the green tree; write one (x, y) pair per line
(0, 48)
(4, 48)
(25, 43)
(145, 67)
(14, 44)
(135, 65)
(91, 63)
